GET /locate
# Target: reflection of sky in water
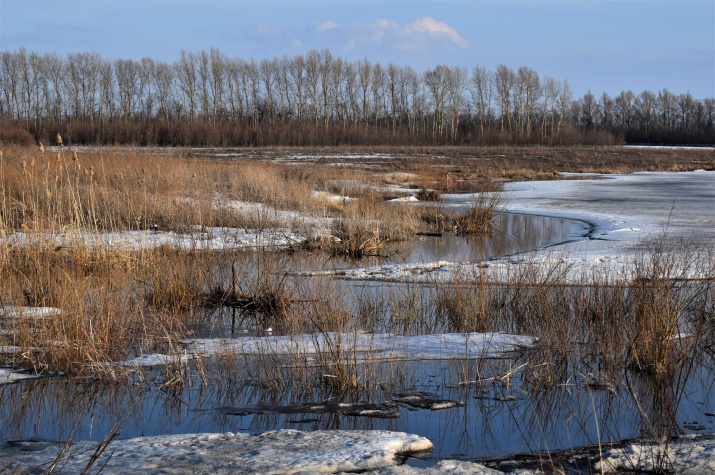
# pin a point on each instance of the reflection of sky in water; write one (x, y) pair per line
(548, 420)
(555, 419)
(513, 233)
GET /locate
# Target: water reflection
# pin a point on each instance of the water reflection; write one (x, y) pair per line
(513, 233)
(490, 425)
(499, 418)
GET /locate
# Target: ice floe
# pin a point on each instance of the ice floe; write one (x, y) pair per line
(274, 452)
(687, 455)
(361, 346)
(12, 376)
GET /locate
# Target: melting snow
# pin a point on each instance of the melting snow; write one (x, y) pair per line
(12, 376)
(274, 452)
(35, 313)
(694, 456)
(363, 346)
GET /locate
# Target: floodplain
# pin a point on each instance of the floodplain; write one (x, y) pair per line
(495, 309)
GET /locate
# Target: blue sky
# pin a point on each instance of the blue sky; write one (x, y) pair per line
(603, 45)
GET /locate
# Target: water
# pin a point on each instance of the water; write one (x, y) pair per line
(498, 419)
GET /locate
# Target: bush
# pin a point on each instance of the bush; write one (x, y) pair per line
(16, 136)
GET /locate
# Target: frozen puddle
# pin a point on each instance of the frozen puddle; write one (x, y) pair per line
(274, 452)
(363, 346)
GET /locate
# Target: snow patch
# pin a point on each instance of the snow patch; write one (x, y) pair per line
(34, 313)
(360, 346)
(275, 452)
(8, 376)
(688, 455)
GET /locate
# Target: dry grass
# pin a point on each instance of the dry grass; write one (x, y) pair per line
(119, 302)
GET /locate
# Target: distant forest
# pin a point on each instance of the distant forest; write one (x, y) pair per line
(210, 99)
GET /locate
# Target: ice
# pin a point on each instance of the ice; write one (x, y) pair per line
(35, 313)
(274, 452)
(618, 213)
(12, 376)
(360, 346)
(207, 238)
(688, 455)
(155, 359)
(443, 467)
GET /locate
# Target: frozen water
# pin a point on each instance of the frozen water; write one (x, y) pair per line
(619, 213)
(688, 455)
(12, 376)
(274, 452)
(363, 346)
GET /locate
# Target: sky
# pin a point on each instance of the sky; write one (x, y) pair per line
(601, 46)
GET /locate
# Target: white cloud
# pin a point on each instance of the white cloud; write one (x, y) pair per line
(325, 26)
(436, 29)
(415, 36)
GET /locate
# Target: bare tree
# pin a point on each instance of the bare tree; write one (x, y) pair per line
(482, 87)
(564, 104)
(457, 80)
(504, 79)
(296, 71)
(436, 83)
(187, 82)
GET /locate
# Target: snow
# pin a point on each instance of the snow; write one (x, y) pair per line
(10, 350)
(670, 147)
(446, 467)
(688, 455)
(324, 195)
(274, 452)
(208, 238)
(292, 451)
(362, 346)
(405, 199)
(35, 313)
(275, 229)
(8, 376)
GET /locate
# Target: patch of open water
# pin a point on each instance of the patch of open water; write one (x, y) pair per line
(492, 420)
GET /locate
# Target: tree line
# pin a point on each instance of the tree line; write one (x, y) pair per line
(208, 98)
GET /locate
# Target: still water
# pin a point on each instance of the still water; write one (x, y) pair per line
(489, 420)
